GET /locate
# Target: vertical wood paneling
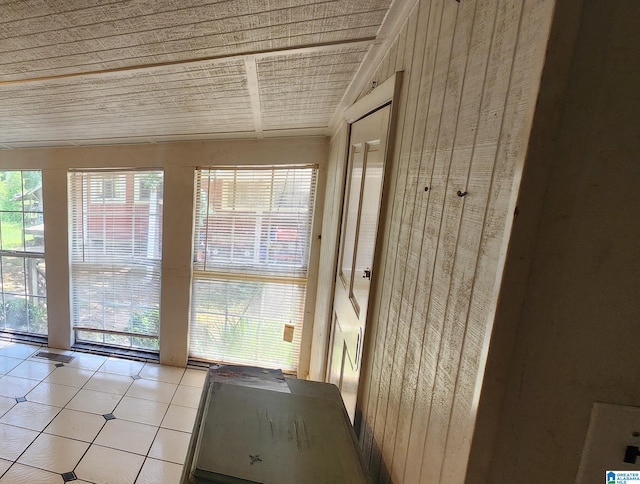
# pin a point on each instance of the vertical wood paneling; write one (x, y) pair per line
(386, 407)
(398, 175)
(448, 161)
(474, 282)
(405, 268)
(461, 125)
(418, 268)
(432, 230)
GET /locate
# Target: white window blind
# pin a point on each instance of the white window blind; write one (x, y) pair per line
(115, 256)
(252, 239)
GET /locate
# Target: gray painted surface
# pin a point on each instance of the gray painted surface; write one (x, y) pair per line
(577, 334)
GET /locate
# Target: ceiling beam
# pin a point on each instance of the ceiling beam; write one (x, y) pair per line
(151, 139)
(258, 54)
(253, 87)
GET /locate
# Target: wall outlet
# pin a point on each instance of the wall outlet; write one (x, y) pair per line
(612, 428)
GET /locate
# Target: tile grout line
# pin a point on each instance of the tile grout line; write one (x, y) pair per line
(94, 372)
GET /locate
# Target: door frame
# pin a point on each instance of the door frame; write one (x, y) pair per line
(385, 93)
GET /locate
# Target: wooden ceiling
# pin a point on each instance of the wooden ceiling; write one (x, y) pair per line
(78, 72)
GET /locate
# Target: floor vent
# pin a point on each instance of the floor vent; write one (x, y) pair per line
(54, 356)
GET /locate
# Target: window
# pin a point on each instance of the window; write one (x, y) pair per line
(22, 265)
(115, 257)
(252, 239)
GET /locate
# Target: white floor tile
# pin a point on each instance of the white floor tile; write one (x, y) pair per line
(194, 378)
(94, 402)
(180, 418)
(121, 367)
(128, 436)
(141, 411)
(33, 370)
(7, 364)
(170, 446)
(53, 453)
(66, 375)
(109, 383)
(159, 472)
(86, 361)
(14, 441)
(19, 350)
(6, 404)
(187, 396)
(102, 465)
(22, 474)
(152, 390)
(169, 374)
(52, 394)
(30, 415)
(12, 386)
(76, 425)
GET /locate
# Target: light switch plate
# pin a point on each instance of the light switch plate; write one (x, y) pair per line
(611, 429)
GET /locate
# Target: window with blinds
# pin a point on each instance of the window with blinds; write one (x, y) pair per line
(115, 256)
(23, 286)
(252, 240)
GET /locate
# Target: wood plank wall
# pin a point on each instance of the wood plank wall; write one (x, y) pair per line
(471, 75)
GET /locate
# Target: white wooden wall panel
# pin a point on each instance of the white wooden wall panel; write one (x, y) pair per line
(471, 77)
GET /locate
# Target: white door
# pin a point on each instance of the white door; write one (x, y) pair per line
(367, 145)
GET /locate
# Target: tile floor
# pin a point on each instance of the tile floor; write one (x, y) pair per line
(93, 420)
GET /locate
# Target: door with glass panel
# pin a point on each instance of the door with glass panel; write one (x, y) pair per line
(251, 255)
(22, 264)
(367, 145)
(115, 257)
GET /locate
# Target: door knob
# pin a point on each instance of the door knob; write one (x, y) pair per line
(367, 273)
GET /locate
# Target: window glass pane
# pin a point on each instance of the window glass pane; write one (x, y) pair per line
(367, 227)
(32, 191)
(12, 230)
(37, 314)
(34, 232)
(252, 239)
(13, 275)
(351, 214)
(16, 316)
(11, 191)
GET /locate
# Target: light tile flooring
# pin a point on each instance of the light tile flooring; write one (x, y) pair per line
(93, 420)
